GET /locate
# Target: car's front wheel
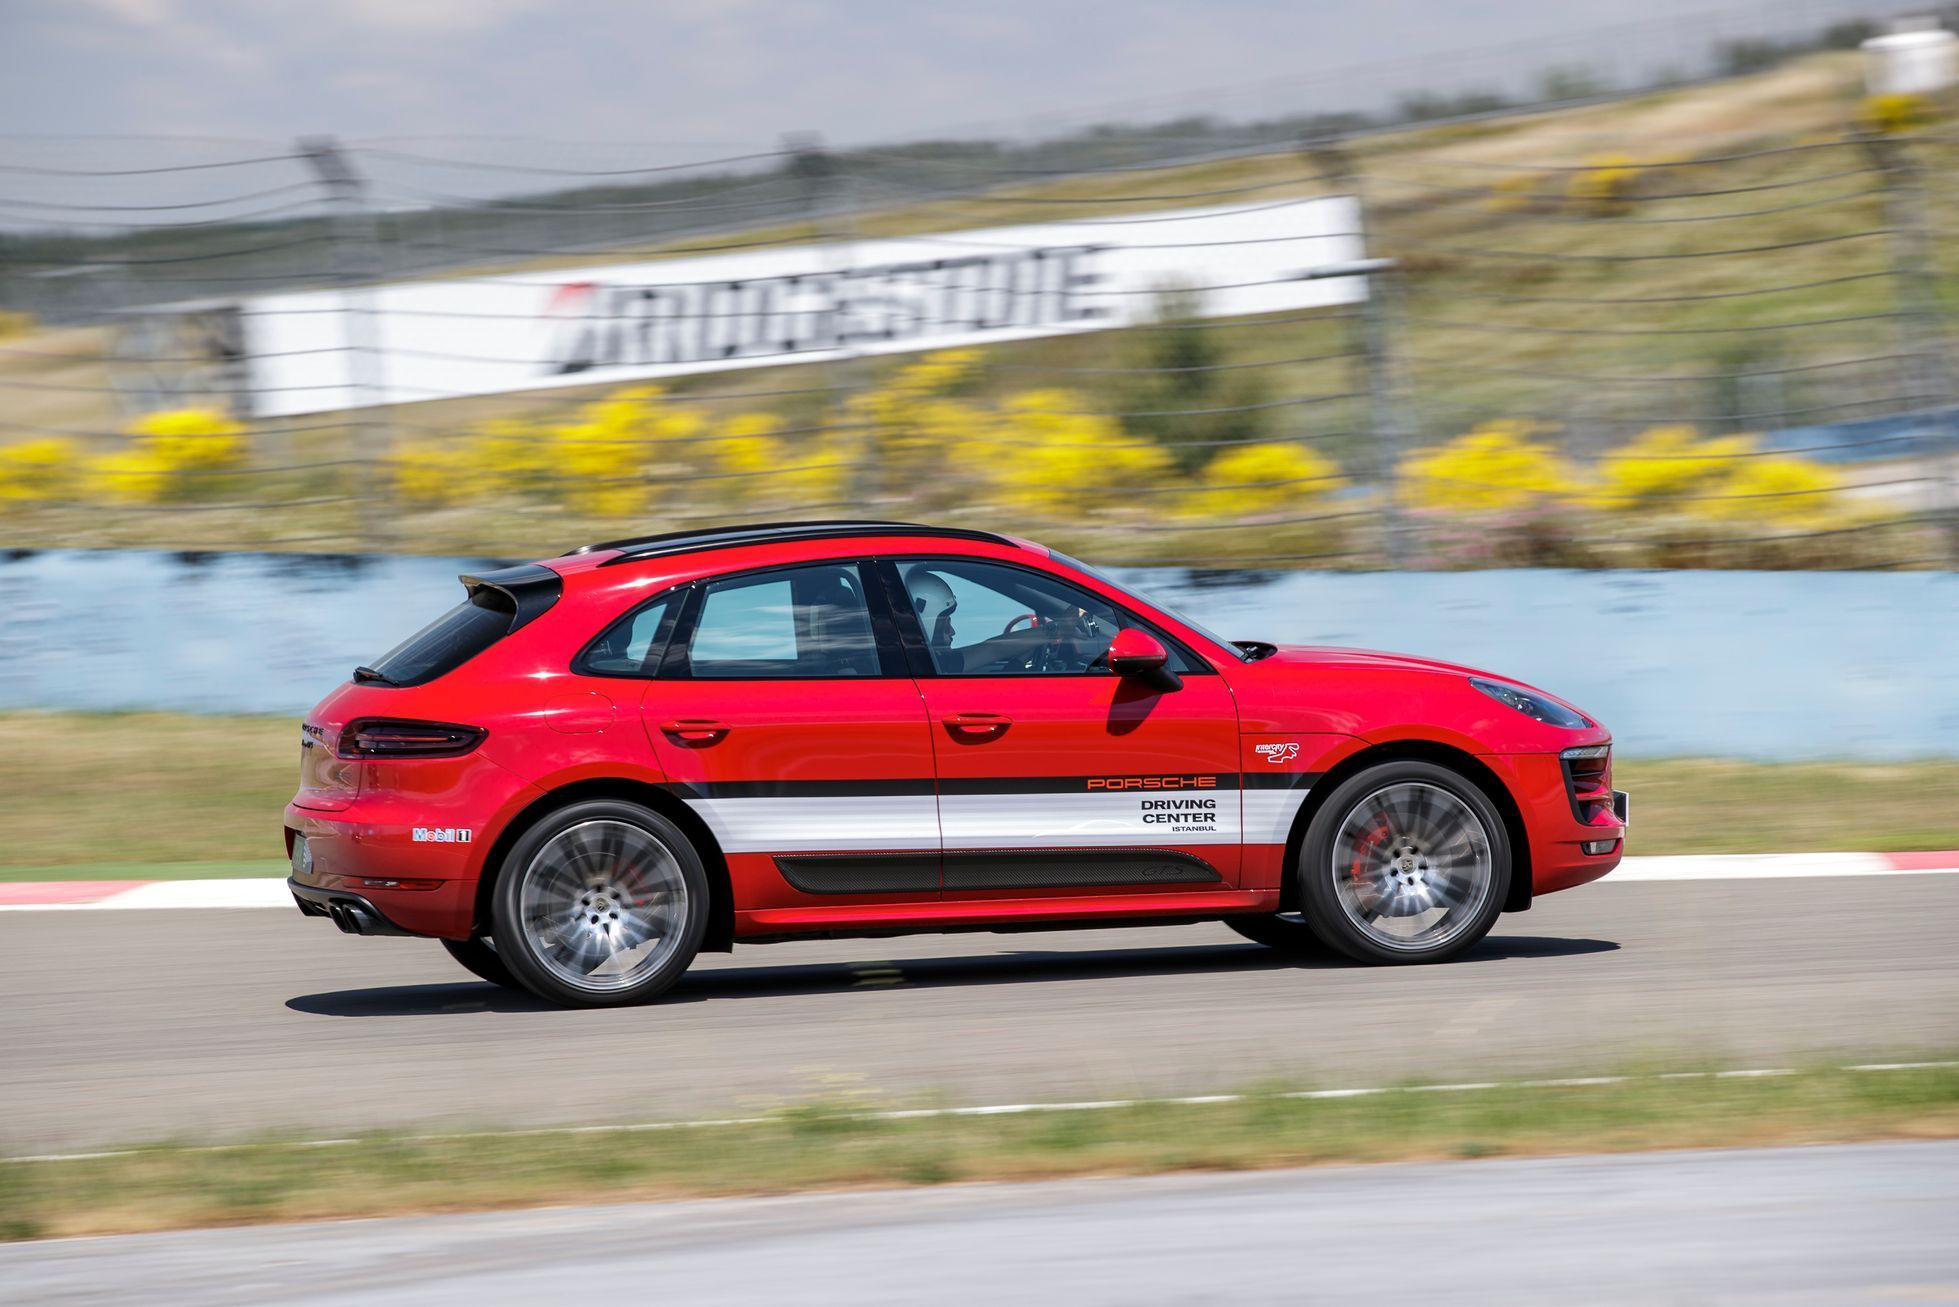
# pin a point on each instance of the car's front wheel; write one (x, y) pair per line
(602, 903)
(1404, 862)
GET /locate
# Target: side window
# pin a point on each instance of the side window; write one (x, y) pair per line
(793, 623)
(984, 619)
(632, 645)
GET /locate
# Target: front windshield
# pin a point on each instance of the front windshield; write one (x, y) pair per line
(1216, 639)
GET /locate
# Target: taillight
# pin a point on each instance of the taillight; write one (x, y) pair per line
(1588, 780)
(386, 737)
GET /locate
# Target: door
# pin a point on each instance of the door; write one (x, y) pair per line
(1057, 777)
(799, 738)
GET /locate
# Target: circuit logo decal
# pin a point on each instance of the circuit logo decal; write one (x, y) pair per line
(1277, 753)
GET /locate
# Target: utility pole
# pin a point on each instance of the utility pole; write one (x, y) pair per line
(356, 246)
(1907, 216)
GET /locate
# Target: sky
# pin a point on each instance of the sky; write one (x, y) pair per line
(706, 72)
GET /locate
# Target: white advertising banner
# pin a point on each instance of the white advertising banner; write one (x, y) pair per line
(796, 304)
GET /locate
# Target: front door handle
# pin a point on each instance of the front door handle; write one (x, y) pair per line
(987, 724)
(695, 730)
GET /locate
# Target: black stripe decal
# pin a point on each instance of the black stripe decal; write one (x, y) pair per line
(861, 873)
(1058, 868)
(1142, 783)
(1281, 780)
(921, 786)
(974, 869)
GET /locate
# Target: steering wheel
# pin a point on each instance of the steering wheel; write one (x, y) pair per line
(1034, 619)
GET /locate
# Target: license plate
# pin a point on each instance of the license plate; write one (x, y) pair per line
(302, 857)
(1622, 807)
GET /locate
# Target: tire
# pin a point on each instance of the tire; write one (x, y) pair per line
(479, 958)
(1405, 862)
(600, 904)
(1285, 931)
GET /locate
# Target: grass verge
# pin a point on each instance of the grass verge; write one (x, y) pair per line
(834, 1144)
(142, 796)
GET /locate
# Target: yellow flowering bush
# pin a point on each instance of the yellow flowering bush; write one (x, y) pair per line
(766, 464)
(38, 470)
(1899, 112)
(1604, 186)
(174, 456)
(432, 473)
(1664, 465)
(1721, 478)
(1262, 479)
(1055, 459)
(1498, 467)
(15, 324)
(601, 463)
(1515, 192)
(1783, 489)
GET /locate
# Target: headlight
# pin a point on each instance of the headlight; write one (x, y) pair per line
(1535, 706)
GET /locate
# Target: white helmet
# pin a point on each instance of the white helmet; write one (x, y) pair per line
(932, 599)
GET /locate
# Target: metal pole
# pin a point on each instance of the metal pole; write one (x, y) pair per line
(1375, 339)
(1906, 214)
(356, 252)
(826, 202)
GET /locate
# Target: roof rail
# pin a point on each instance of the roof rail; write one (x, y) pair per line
(728, 537)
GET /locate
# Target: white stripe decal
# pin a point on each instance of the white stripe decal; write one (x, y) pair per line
(1153, 818)
(1269, 814)
(785, 825)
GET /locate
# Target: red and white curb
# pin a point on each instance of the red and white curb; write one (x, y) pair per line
(253, 892)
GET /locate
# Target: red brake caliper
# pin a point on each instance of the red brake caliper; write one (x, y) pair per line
(1364, 850)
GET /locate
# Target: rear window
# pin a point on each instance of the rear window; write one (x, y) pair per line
(451, 639)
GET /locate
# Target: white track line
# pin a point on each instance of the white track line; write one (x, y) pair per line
(255, 892)
(995, 1109)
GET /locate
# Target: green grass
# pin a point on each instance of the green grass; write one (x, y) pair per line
(161, 795)
(828, 1145)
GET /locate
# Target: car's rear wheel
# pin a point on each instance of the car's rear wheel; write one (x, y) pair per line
(479, 958)
(1405, 862)
(600, 904)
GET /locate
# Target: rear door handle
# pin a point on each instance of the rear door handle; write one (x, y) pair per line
(700, 730)
(978, 723)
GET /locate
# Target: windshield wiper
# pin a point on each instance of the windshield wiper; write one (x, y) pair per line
(365, 674)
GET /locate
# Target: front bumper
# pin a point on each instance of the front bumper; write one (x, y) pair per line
(1559, 858)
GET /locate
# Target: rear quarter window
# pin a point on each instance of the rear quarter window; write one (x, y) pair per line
(451, 639)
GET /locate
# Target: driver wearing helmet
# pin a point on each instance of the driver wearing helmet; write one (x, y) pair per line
(932, 599)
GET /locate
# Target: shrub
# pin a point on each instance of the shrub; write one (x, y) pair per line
(38, 470)
(1605, 185)
(1055, 459)
(1666, 464)
(600, 463)
(768, 465)
(177, 454)
(1495, 468)
(1264, 479)
(1888, 115)
(432, 473)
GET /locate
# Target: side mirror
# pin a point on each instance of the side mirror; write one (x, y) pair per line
(1137, 653)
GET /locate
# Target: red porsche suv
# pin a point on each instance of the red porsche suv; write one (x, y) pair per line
(598, 765)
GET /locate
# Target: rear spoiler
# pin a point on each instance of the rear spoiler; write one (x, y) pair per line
(531, 587)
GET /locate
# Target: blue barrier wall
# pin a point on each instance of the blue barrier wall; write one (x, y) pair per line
(1751, 664)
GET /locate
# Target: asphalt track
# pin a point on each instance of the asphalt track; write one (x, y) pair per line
(1835, 1225)
(134, 1026)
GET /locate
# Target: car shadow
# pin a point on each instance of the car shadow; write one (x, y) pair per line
(1016, 967)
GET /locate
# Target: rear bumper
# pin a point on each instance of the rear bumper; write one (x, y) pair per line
(354, 914)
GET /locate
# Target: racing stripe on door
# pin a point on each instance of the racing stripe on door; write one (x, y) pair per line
(1087, 811)
(999, 812)
(812, 816)
(1271, 803)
